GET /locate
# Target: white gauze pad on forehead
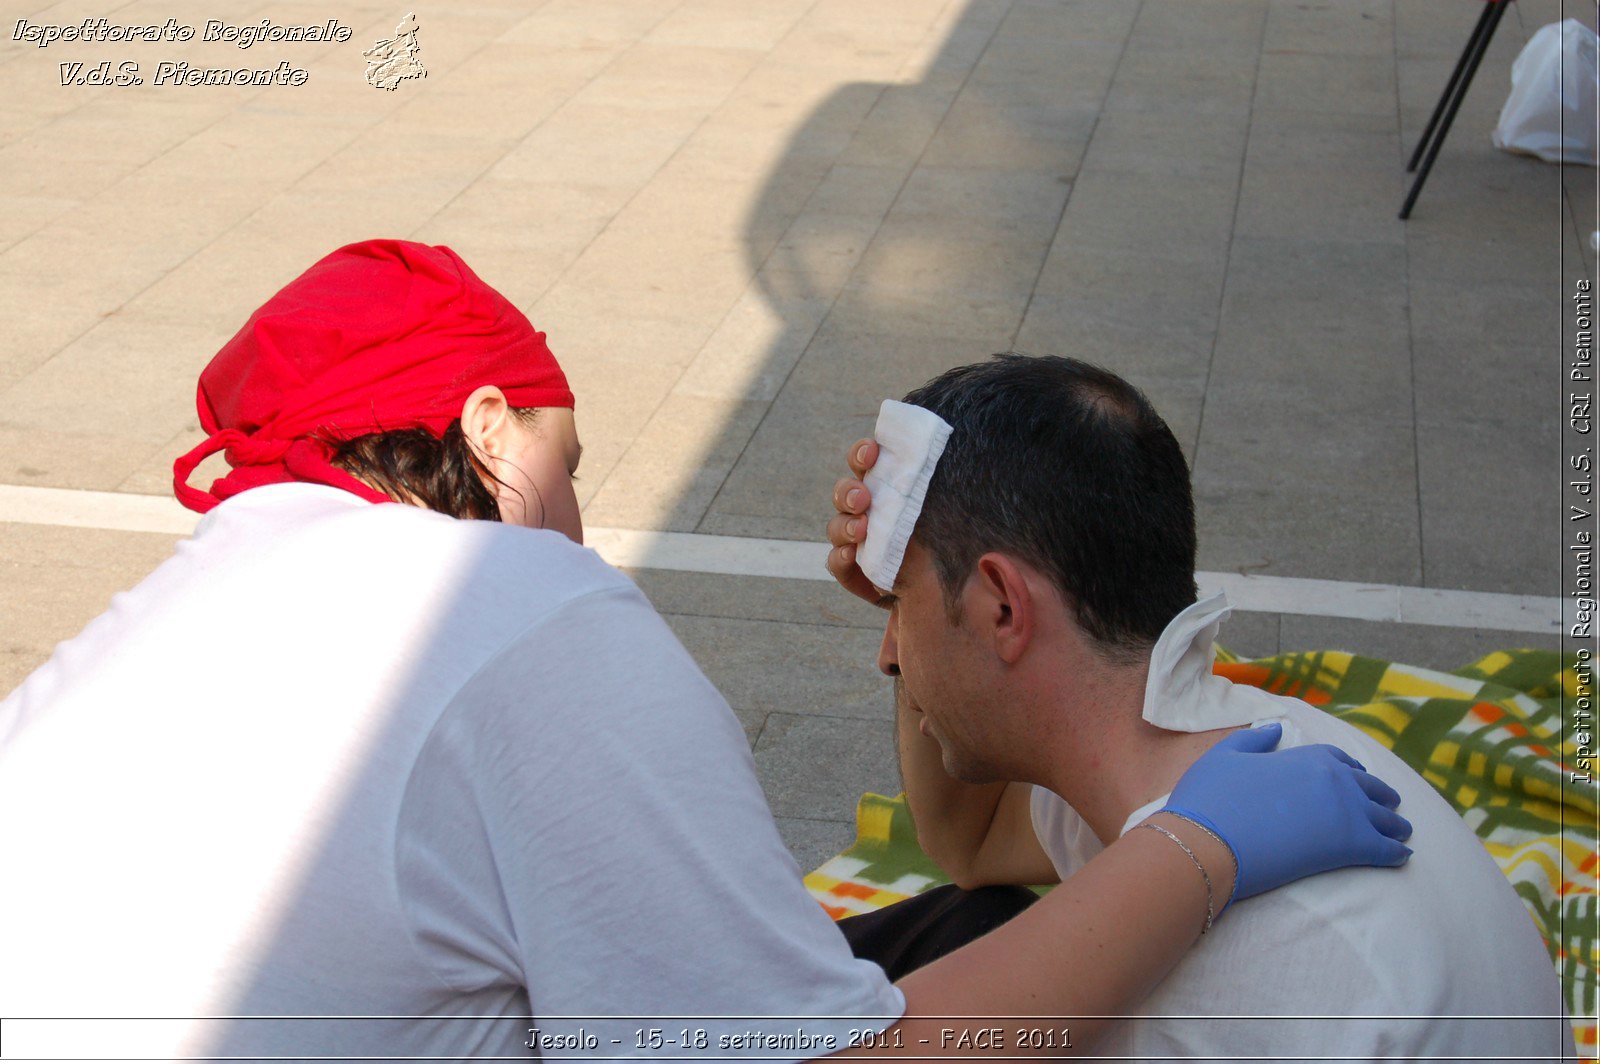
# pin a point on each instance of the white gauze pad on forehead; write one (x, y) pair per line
(910, 441)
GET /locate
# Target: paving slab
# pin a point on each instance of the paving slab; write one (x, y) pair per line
(140, 361)
(755, 347)
(1047, 70)
(59, 579)
(1300, 202)
(989, 263)
(1132, 335)
(831, 400)
(992, 130)
(1174, 77)
(818, 766)
(1155, 147)
(1289, 487)
(809, 602)
(1209, 27)
(1453, 374)
(1251, 635)
(669, 475)
(1159, 214)
(1351, 28)
(756, 27)
(766, 667)
(1491, 493)
(1347, 83)
(813, 841)
(1176, 291)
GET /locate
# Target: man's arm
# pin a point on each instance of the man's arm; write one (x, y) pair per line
(979, 833)
(1091, 949)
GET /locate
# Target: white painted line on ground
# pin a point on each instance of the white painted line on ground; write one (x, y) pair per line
(792, 560)
(687, 552)
(1387, 602)
(114, 510)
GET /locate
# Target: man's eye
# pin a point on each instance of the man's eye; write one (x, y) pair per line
(886, 602)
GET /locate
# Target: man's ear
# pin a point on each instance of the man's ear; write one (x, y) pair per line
(484, 417)
(1003, 594)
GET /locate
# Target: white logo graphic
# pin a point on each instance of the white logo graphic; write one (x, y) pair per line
(393, 61)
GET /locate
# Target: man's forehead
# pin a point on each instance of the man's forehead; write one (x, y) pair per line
(915, 565)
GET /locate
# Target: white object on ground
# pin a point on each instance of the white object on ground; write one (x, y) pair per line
(910, 441)
(1552, 107)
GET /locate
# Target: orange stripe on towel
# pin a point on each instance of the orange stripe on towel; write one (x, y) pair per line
(1487, 712)
(854, 890)
(1252, 675)
(1247, 673)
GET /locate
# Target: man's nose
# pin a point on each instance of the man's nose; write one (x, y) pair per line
(888, 652)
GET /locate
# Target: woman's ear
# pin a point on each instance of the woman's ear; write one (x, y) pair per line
(484, 417)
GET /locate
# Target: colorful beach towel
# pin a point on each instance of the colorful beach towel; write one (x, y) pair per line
(1489, 737)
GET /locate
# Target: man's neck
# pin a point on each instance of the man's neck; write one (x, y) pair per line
(1102, 757)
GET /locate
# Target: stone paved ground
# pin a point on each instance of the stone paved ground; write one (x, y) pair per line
(744, 222)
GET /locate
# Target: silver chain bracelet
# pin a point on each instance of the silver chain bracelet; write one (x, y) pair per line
(1211, 895)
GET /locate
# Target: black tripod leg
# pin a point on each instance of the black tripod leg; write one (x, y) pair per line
(1498, 9)
(1450, 86)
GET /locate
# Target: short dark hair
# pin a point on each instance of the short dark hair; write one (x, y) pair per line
(1068, 467)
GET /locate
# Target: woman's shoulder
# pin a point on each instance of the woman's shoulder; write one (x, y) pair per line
(355, 550)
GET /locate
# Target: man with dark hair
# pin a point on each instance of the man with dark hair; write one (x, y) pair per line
(1069, 468)
(1053, 681)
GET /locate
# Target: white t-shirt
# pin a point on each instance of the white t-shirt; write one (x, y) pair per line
(370, 761)
(1445, 935)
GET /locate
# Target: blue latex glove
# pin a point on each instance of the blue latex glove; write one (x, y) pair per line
(1288, 814)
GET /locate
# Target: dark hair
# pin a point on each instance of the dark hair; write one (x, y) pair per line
(1068, 467)
(413, 465)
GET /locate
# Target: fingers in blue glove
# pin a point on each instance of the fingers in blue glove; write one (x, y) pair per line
(1377, 790)
(1286, 814)
(1340, 755)
(1389, 822)
(1390, 854)
(1254, 740)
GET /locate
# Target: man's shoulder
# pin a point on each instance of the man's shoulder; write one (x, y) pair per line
(1401, 928)
(1307, 725)
(1449, 861)
(1381, 921)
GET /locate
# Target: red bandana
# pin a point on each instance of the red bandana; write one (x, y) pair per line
(380, 335)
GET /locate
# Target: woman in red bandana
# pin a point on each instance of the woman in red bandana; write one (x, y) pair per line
(412, 779)
(368, 373)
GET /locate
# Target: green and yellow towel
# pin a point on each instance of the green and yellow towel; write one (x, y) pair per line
(1489, 737)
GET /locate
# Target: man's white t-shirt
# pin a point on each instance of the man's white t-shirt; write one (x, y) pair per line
(1444, 935)
(336, 759)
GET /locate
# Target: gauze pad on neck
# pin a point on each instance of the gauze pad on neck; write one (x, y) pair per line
(910, 441)
(1181, 691)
